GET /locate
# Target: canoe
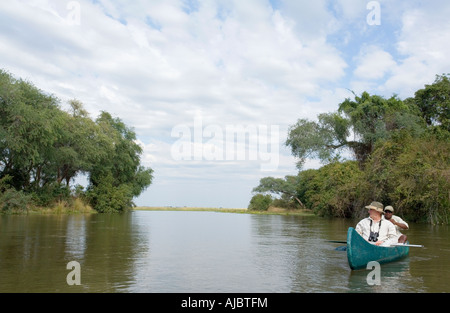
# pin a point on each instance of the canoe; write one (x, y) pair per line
(360, 252)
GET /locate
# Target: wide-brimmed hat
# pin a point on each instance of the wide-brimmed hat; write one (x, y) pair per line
(389, 208)
(377, 206)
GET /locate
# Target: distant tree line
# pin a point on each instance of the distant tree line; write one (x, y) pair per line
(44, 148)
(399, 155)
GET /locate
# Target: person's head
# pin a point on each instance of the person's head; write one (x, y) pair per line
(375, 209)
(388, 212)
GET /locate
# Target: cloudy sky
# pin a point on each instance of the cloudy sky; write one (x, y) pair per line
(211, 86)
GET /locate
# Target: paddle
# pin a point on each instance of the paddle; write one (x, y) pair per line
(406, 245)
(392, 245)
(337, 241)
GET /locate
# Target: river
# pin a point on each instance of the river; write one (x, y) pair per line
(204, 252)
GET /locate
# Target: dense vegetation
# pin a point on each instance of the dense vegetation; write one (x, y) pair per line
(400, 156)
(44, 148)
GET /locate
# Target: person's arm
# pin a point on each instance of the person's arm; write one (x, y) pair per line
(399, 222)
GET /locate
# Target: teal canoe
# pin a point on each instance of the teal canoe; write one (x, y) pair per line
(360, 252)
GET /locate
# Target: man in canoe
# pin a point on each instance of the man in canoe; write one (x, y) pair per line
(374, 230)
(398, 222)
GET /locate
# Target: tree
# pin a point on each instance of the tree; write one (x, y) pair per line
(281, 186)
(401, 152)
(118, 172)
(80, 144)
(356, 126)
(433, 102)
(336, 189)
(413, 175)
(43, 148)
(28, 123)
(260, 202)
(323, 139)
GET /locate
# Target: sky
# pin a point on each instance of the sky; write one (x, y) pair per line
(211, 87)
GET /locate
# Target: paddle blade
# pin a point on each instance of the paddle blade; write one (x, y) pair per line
(337, 241)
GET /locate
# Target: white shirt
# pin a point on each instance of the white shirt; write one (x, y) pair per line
(398, 219)
(387, 232)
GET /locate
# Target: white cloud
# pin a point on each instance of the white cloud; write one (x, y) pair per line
(158, 64)
(424, 42)
(351, 9)
(373, 63)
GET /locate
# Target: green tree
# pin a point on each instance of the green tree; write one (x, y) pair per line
(43, 148)
(401, 156)
(323, 139)
(305, 187)
(413, 175)
(28, 122)
(286, 187)
(80, 145)
(336, 189)
(356, 127)
(118, 176)
(260, 202)
(433, 102)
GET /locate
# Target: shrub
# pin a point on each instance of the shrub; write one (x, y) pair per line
(335, 189)
(260, 202)
(108, 198)
(413, 175)
(12, 200)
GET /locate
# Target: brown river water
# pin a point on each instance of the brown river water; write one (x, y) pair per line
(187, 252)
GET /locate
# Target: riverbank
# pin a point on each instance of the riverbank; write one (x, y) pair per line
(271, 210)
(77, 206)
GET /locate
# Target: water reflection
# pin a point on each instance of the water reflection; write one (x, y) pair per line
(296, 256)
(76, 237)
(35, 250)
(395, 277)
(204, 252)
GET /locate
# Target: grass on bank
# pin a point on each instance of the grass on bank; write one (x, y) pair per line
(63, 207)
(77, 206)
